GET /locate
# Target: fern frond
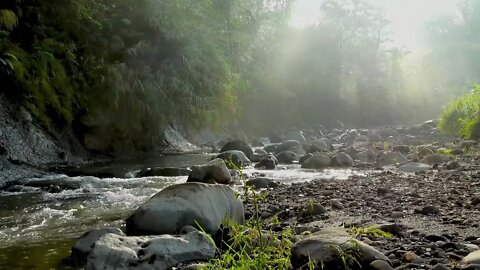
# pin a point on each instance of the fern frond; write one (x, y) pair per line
(8, 19)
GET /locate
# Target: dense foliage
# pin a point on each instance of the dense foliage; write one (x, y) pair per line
(119, 71)
(462, 116)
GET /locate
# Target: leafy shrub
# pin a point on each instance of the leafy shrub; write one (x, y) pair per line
(462, 116)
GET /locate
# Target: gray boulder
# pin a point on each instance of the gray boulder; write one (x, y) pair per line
(195, 204)
(414, 167)
(472, 258)
(342, 160)
(259, 183)
(318, 161)
(150, 252)
(239, 146)
(291, 145)
(327, 248)
(286, 157)
(83, 246)
(391, 158)
(215, 171)
(268, 162)
(435, 159)
(238, 158)
(316, 146)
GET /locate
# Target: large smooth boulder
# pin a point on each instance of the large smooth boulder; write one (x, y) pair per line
(239, 146)
(215, 171)
(114, 252)
(199, 205)
(414, 167)
(391, 158)
(472, 258)
(238, 158)
(342, 160)
(268, 162)
(84, 244)
(316, 146)
(290, 145)
(318, 161)
(329, 247)
(286, 157)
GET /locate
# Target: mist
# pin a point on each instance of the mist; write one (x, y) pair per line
(368, 63)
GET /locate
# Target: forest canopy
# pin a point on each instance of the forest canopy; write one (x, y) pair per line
(118, 72)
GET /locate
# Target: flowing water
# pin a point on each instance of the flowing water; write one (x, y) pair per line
(37, 228)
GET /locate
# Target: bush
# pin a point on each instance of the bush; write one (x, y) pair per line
(462, 116)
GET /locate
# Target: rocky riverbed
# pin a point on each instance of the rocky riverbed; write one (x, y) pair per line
(339, 188)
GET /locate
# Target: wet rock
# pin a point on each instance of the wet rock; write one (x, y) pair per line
(391, 158)
(259, 183)
(336, 204)
(410, 257)
(150, 252)
(318, 161)
(194, 204)
(290, 145)
(307, 156)
(317, 146)
(391, 228)
(428, 210)
(268, 162)
(215, 171)
(434, 159)
(326, 248)
(238, 158)
(380, 265)
(286, 157)
(314, 210)
(414, 167)
(452, 165)
(239, 146)
(342, 160)
(84, 244)
(168, 172)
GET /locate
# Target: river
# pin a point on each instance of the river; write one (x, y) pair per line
(38, 228)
